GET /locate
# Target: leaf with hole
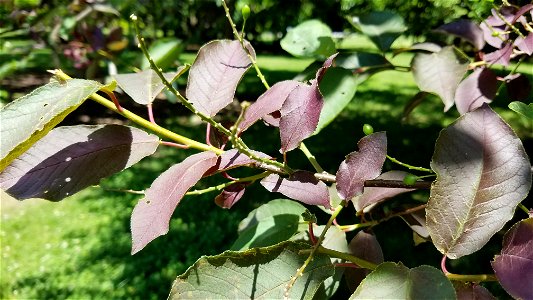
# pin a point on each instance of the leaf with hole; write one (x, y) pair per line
(311, 38)
(71, 158)
(215, 73)
(259, 273)
(362, 165)
(483, 172)
(151, 216)
(440, 73)
(514, 265)
(29, 118)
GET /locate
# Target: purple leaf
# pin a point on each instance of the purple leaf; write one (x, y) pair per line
(494, 41)
(325, 66)
(374, 195)
(300, 114)
(215, 73)
(230, 195)
(501, 56)
(525, 44)
(478, 88)
(440, 73)
(269, 102)
(301, 186)
(69, 159)
(467, 30)
(362, 165)
(483, 172)
(524, 9)
(518, 86)
(471, 291)
(151, 216)
(232, 159)
(365, 246)
(514, 266)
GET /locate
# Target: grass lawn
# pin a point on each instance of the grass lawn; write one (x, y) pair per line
(80, 248)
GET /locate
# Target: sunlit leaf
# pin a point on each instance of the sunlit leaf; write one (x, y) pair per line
(365, 246)
(301, 186)
(269, 224)
(215, 73)
(151, 216)
(522, 108)
(260, 273)
(230, 195)
(483, 172)
(525, 44)
(311, 38)
(471, 291)
(501, 56)
(477, 88)
(440, 73)
(514, 266)
(426, 46)
(71, 158)
(232, 159)
(467, 30)
(362, 165)
(382, 27)
(164, 52)
(495, 41)
(395, 281)
(29, 118)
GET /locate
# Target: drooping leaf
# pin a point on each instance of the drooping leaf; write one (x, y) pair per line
(522, 108)
(467, 30)
(311, 38)
(382, 27)
(71, 158)
(395, 281)
(143, 87)
(518, 86)
(260, 273)
(215, 73)
(501, 56)
(440, 73)
(301, 186)
(269, 102)
(471, 291)
(164, 52)
(365, 246)
(151, 216)
(362, 165)
(338, 89)
(300, 114)
(269, 224)
(483, 172)
(230, 195)
(374, 195)
(477, 88)
(514, 266)
(525, 44)
(29, 118)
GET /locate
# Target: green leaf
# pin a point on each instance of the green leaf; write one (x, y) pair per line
(29, 118)
(395, 281)
(259, 273)
(164, 52)
(338, 88)
(311, 38)
(270, 223)
(382, 27)
(522, 108)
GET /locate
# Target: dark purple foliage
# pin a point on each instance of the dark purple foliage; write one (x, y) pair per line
(518, 86)
(230, 195)
(472, 291)
(467, 30)
(478, 88)
(501, 56)
(232, 159)
(362, 165)
(525, 44)
(365, 246)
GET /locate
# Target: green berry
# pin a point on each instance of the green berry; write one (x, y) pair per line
(368, 129)
(410, 179)
(245, 11)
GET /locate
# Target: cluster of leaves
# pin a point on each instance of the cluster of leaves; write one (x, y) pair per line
(482, 170)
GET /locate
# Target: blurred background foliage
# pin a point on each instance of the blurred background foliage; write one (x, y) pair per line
(80, 248)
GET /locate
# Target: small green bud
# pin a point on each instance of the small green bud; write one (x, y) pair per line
(495, 33)
(410, 179)
(245, 11)
(368, 129)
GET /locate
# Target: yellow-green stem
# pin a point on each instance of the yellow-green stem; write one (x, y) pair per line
(337, 254)
(472, 278)
(226, 184)
(394, 160)
(311, 158)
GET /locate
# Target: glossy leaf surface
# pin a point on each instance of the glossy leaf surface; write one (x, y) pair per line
(151, 216)
(269, 224)
(440, 73)
(514, 266)
(71, 158)
(395, 281)
(477, 88)
(215, 73)
(311, 38)
(362, 165)
(29, 118)
(260, 273)
(483, 172)
(301, 186)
